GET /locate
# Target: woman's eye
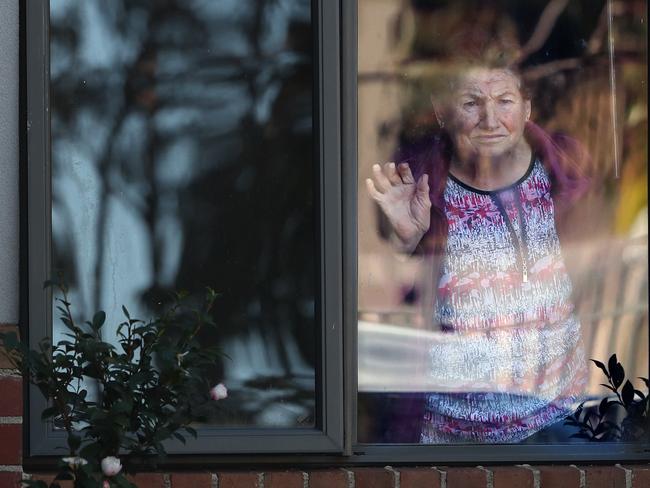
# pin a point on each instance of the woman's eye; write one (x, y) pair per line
(470, 104)
(506, 101)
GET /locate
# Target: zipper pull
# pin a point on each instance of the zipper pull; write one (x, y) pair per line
(525, 275)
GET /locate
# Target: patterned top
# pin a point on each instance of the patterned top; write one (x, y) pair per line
(512, 362)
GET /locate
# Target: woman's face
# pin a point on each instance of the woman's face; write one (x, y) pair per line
(487, 114)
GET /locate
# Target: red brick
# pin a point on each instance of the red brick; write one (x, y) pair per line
(512, 477)
(191, 480)
(147, 480)
(11, 446)
(373, 478)
(419, 478)
(640, 475)
(48, 478)
(11, 396)
(285, 479)
(328, 479)
(558, 476)
(10, 479)
(466, 478)
(604, 476)
(4, 362)
(237, 480)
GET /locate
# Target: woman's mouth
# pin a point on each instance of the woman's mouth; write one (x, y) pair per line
(490, 137)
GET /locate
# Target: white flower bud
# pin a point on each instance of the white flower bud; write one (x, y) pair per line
(219, 392)
(111, 466)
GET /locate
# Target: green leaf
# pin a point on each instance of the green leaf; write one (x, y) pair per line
(179, 437)
(601, 366)
(628, 393)
(64, 475)
(618, 374)
(74, 441)
(49, 284)
(191, 431)
(601, 428)
(49, 412)
(121, 481)
(126, 312)
(612, 362)
(98, 320)
(34, 484)
(603, 407)
(580, 435)
(90, 451)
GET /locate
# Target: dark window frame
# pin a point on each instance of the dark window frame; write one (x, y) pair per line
(36, 319)
(335, 444)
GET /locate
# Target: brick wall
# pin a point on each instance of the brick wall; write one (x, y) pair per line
(11, 420)
(523, 476)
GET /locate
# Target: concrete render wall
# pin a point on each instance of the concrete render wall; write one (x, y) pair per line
(8, 161)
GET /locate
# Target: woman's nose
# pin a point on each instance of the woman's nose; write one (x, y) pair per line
(489, 117)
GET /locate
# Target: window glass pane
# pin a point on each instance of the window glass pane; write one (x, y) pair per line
(508, 244)
(183, 157)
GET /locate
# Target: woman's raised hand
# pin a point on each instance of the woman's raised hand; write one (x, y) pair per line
(404, 201)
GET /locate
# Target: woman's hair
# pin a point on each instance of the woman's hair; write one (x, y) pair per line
(494, 55)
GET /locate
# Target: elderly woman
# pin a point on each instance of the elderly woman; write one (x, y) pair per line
(481, 197)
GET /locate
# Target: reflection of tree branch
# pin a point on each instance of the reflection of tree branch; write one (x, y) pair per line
(267, 299)
(135, 70)
(152, 205)
(543, 28)
(383, 76)
(547, 69)
(596, 40)
(102, 203)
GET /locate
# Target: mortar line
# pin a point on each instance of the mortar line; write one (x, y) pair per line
(489, 476)
(628, 475)
(443, 476)
(583, 476)
(537, 479)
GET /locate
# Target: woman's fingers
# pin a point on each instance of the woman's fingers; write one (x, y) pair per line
(382, 183)
(405, 172)
(423, 190)
(372, 191)
(391, 173)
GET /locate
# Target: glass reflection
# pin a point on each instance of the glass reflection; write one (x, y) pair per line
(507, 243)
(182, 156)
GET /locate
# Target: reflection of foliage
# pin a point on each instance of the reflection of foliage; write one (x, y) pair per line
(151, 386)
(624, 416)
(196, 120)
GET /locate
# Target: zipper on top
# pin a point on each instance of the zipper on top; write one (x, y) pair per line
(521, 245)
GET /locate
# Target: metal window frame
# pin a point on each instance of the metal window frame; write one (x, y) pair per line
(36, 313)
(413, 453)
(336, 443)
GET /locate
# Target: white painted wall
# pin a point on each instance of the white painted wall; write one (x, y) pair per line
(9, 162)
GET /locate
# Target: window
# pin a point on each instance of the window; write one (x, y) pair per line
(184, 144)
(507, 242)
(186, 152)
